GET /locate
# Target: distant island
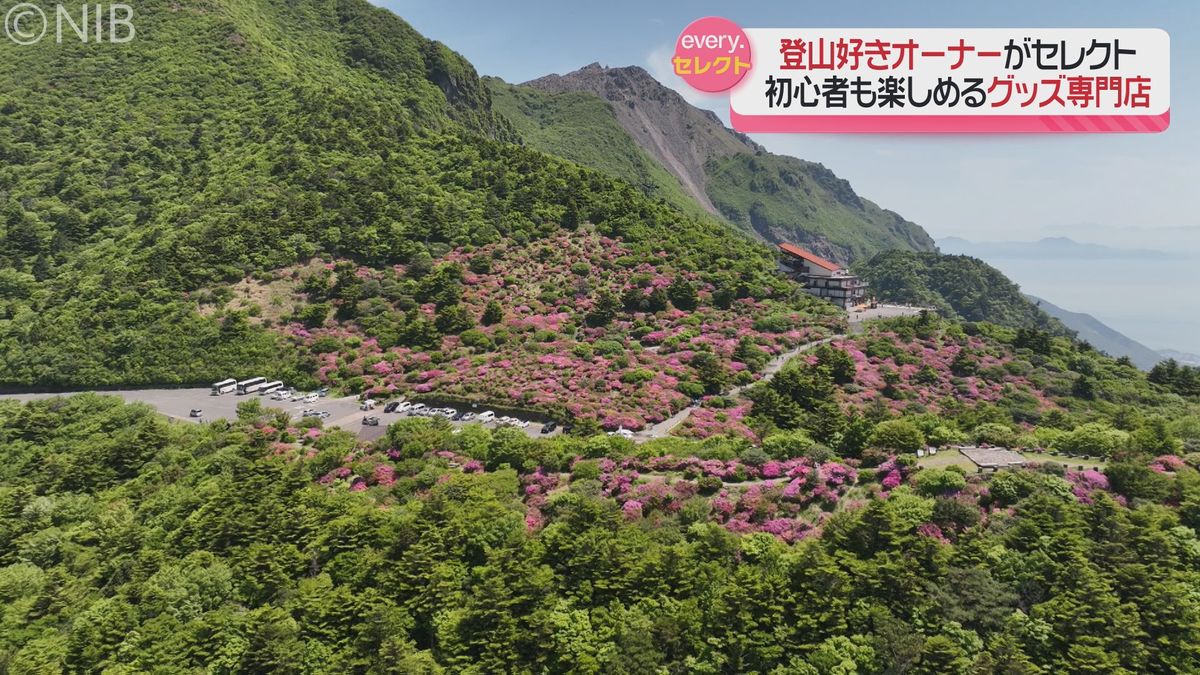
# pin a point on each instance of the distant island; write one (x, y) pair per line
(1049, 248)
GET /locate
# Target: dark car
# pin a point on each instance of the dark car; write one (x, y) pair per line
(391, 407)
(371, 421)
(549, 427)
(196, 412)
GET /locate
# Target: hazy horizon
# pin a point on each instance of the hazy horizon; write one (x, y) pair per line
(1132, 295)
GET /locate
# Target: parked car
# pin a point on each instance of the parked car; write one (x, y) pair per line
(323, 392)
(487, 416)
(391, 407)
(549, 427)
(371, 421)
(324, 414)
(416, 409)
(467, 417)
(368, 404)
(196, 412)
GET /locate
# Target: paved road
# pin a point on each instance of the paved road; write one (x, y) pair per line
(664, 428)
(883, 312)
(344, 411)
(178, 403)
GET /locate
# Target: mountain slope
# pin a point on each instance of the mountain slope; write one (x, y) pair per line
(237, 137)
(583, 128)
(957, 286)
(1100, 335)
(779, 198)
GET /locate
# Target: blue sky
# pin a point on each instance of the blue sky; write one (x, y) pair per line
(1136, 189)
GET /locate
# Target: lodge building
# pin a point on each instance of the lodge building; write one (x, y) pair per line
(823, 278)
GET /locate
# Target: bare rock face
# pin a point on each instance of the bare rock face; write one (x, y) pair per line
(775, 197)
(679, 135)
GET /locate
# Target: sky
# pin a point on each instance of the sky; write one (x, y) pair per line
(1125, 190)
(1121, 189)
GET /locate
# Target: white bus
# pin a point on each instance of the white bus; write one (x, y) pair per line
(250, 385)
(270, 387)
(224, 387)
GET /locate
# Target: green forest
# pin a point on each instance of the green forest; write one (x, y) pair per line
(130, 544)
(957, 286)
(236, 138)
(312, 191)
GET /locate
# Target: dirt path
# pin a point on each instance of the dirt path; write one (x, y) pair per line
(664, 428)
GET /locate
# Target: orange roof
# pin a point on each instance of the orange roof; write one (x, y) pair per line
(796, 251)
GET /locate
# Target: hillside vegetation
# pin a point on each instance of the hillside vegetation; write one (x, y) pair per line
(787, 199)
(266, 545)
(235, 137)
(957, 286)
(775, 197)
(583, 128)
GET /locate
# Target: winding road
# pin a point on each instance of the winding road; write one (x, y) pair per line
(664, 428)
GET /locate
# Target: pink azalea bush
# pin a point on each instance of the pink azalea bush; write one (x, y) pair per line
(545, 357)
(1086, 483)
(1167, 463)
(924, 367)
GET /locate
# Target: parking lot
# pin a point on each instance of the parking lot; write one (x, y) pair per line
(343, 412)
(860, 314)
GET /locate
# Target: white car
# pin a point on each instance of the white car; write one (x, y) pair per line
(524, 424)
(487, 416)
(416, 409)
(312, 398)
(403, 407)
(368, 404)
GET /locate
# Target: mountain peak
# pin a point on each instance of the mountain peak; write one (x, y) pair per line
(680, 136)
(776, 197)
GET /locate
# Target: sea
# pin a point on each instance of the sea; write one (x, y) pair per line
(1153, 301)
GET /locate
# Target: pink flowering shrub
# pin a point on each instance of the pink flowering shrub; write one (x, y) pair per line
(924, 368)
(543, 355)
(1167, 463)
(706, 422)
(632, 509)
(892, 473)
(538, 482)
(1087, 482)
(932, 531)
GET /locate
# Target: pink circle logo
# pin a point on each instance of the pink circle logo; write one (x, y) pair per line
(712, 54)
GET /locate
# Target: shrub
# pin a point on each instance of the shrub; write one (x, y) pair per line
(754, 457)
(934, 482)
(994, 433)
(1094, 439)
(898, 435)
(585, 470)
(477, 339)
(708, 484)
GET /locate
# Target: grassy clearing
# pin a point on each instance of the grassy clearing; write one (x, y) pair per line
(945, 458)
